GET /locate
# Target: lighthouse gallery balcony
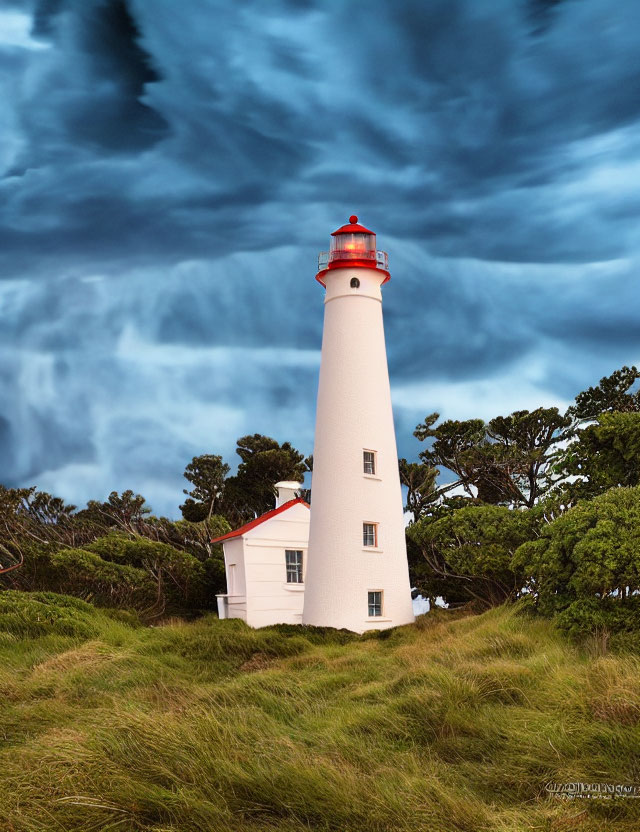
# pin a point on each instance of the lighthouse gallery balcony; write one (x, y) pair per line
(379, 259)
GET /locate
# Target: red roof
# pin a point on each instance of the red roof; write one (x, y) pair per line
(263, 517)
(352, 228)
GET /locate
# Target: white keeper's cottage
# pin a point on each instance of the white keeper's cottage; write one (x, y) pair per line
(342, 563)
(265, 562)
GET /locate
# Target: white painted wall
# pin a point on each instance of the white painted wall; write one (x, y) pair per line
(354, 413)
(261, 578)
(236, 597)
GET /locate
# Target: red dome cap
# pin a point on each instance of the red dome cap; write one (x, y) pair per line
(352, 228)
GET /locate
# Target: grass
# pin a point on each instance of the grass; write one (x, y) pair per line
(451, 725)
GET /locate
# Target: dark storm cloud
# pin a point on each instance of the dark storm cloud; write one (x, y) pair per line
(44, 16)
(171, 170)
(97, 90)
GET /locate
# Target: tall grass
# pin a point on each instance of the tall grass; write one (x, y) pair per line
(451, 725)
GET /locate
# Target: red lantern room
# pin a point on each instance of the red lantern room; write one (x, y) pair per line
(352, 245)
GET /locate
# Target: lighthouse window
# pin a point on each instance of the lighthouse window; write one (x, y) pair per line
(293, 558)
(369, 534)
(375, 604)
(355, 283)
(369, 462)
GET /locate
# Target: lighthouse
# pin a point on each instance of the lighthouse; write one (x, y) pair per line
(357, 574)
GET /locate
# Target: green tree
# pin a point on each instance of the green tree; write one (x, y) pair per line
(526, 441)
(420, 480)
(613, 393)
(176, 575)
(188, 536)
(207, 475)
(468, 552)
(195, 538)
(126, 511)
(434, 583)
(507, 461)
(264, 462)
(13, 519)
(93, 578)
(46, 545)
(453, 447)
(32, 522)
(605, 454)
(586, 563)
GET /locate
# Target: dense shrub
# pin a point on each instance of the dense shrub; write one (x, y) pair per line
(175, 576)
(603, 617)
(127, 571)
(586, 564)
(605, 455)
(33, 614)
(470, 551)
(81, 572)
(114, 553)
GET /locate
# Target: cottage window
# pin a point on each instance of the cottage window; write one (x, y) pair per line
(369, 534)
(369, 462)
(375, 603)
(293, 559)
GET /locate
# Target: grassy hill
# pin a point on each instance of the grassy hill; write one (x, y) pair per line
(451, 724)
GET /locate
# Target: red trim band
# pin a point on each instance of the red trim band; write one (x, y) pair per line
(348, 264)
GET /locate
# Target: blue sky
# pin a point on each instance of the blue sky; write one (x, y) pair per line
(169, 172)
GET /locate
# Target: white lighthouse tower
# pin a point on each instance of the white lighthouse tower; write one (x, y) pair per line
(357, 574)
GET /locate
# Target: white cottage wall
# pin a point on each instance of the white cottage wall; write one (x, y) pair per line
(236, 598)
(270, 599)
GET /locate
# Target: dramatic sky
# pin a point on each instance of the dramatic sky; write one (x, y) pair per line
(169, 171)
